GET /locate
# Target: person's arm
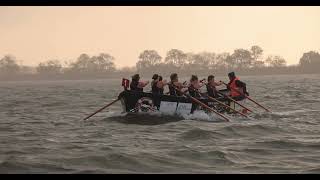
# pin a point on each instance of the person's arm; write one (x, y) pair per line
(143, 84)
(161, 84)
(218, 83)
(197, 86)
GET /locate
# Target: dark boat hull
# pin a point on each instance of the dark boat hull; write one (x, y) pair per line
(133, 101)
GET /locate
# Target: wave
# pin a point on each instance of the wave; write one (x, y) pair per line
(200, 134)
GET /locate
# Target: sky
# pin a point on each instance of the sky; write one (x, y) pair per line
(39, 33)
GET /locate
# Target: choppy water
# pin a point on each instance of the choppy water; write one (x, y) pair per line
(41, 131)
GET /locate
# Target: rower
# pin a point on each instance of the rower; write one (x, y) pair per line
(193, 89)
(195, 86)
(161, 83)
(157, 85)
(154, 88)
(175, 82)
(211, 86)
(136, 84)
(236, 84)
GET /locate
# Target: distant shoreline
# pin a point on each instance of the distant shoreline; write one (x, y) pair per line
(144, 76)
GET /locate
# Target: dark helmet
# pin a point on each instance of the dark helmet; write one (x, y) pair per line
(173, 76)
(194, 78)
(210, 77)
(231, 74)
(155, 76)
(136, 77)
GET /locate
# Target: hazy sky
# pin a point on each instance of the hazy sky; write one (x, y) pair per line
(35, 34)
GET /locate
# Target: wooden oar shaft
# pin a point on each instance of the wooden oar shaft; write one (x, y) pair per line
(202, 104)
(234, 101)
(248, 98)
(101, 109)
(258, 104)
(214, 99)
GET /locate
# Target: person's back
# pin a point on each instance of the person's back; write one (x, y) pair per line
(194, 86)
(173, 84)
(154, 87)
(160, 84)
(136, 85)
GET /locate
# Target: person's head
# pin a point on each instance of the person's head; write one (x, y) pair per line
(174, 77)
(193, 78)
(210, 78)
(136, 77)
(160, 78)
(155, 76)
(231, 76)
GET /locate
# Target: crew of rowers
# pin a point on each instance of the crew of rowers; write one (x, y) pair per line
(236, 87)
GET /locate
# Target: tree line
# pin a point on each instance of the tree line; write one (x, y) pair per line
(243, 61)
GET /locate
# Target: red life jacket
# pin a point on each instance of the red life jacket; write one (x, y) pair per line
(233, 86)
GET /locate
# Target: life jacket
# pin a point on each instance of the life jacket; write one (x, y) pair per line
(134, 86)
(154, 88)
(233, 86)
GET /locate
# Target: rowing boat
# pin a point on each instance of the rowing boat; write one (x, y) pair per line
(134, 102)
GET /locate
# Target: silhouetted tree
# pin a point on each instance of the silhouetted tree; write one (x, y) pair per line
(310, 60)
(276, 61)
(176, 58)
(147, 59)
(222, 60)
(96, 64)
(49, 67)
(8, 65)
(256, 54)
(241, 58)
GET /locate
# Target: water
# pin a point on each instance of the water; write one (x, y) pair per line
(42, 131)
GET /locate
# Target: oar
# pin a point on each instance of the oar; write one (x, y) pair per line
(248, 98)
(234, 101)
(201, 104)
(214, 99)
(101, 109)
